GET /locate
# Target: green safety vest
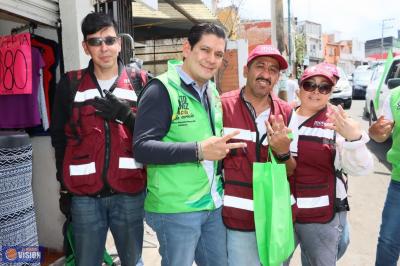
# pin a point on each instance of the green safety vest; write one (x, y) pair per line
(185, 187)
(393, 156)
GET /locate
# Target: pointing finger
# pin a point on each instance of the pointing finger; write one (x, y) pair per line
(280, 124)
(279, 119)
(342, 112)
(272, 119)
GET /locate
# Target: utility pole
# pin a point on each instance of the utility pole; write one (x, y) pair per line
(383, 29)
(277, 25)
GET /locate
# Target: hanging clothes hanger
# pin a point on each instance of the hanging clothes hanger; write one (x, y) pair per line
(30, 26)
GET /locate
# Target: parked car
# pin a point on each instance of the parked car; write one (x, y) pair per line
(361, 78)
(377, 71)
(370, 110)
(342, 93)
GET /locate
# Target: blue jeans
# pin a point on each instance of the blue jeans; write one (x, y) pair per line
(187, 237)
(242, 248)
(321, 243)
(91, 219)
(342, 245)
(387, 253)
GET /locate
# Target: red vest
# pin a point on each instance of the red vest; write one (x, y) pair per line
(314, 179)
(99, 153)
(237, 212)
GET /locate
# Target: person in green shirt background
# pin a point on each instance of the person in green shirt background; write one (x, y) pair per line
(388, 124)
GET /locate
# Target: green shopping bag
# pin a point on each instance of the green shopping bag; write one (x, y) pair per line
(272, 212)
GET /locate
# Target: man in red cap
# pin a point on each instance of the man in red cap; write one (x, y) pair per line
(262, 120)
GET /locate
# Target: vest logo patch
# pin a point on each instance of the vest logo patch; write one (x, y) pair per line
(183, 108)
(398, 106)
(319, 123)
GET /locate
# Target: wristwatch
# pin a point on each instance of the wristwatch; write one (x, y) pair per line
(283, 157)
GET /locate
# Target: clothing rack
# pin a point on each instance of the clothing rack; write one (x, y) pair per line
(31, 27)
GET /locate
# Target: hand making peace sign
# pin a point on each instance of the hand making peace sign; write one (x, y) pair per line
(216, 148)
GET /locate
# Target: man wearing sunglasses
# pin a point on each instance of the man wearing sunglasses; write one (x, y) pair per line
(262, 119)
(92, 128)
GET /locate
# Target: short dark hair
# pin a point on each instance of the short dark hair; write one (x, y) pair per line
(95, 21)
(198, 30)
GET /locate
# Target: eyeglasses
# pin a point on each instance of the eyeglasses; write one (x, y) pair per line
(96, 41)
(323, 88)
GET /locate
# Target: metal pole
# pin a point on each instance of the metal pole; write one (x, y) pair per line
(279, 26)
(273, 23)
(289, 37)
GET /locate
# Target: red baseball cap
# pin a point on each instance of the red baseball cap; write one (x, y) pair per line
(317, 70)
(268, 50)
(331, 68)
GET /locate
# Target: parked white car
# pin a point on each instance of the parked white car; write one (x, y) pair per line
(361, 79)
(370, 110)
(342, 93)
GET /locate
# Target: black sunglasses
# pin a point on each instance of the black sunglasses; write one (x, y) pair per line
(109, 40)
(323, 88)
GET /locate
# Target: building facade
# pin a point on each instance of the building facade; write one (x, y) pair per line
(313, 34)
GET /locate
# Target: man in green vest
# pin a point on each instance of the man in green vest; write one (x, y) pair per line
(178, 133)
(388, 123)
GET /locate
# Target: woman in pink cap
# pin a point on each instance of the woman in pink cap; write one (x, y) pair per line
(327, 146)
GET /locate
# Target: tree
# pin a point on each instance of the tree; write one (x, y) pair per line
(300, 44)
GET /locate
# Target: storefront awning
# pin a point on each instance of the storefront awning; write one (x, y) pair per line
(173, 19)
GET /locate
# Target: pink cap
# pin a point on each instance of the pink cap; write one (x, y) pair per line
(317, 70)
(268, 50)
(331, 68)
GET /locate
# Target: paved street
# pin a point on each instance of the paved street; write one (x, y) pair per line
(366, 196)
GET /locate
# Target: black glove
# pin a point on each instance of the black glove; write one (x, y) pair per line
(113, 109)
(65, 202)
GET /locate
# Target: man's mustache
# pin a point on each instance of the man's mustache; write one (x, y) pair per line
(264, 79)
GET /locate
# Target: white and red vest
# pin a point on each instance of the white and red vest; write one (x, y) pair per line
(314, 180)
(99, 153)
(237, 211)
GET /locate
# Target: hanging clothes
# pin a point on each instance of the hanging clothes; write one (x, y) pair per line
(22, 110)
(42, 104)
(51, 57)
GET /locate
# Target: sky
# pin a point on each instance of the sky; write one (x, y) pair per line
(361, 19)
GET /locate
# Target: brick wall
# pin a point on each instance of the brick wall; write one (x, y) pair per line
(228, 73)
(256, 33)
